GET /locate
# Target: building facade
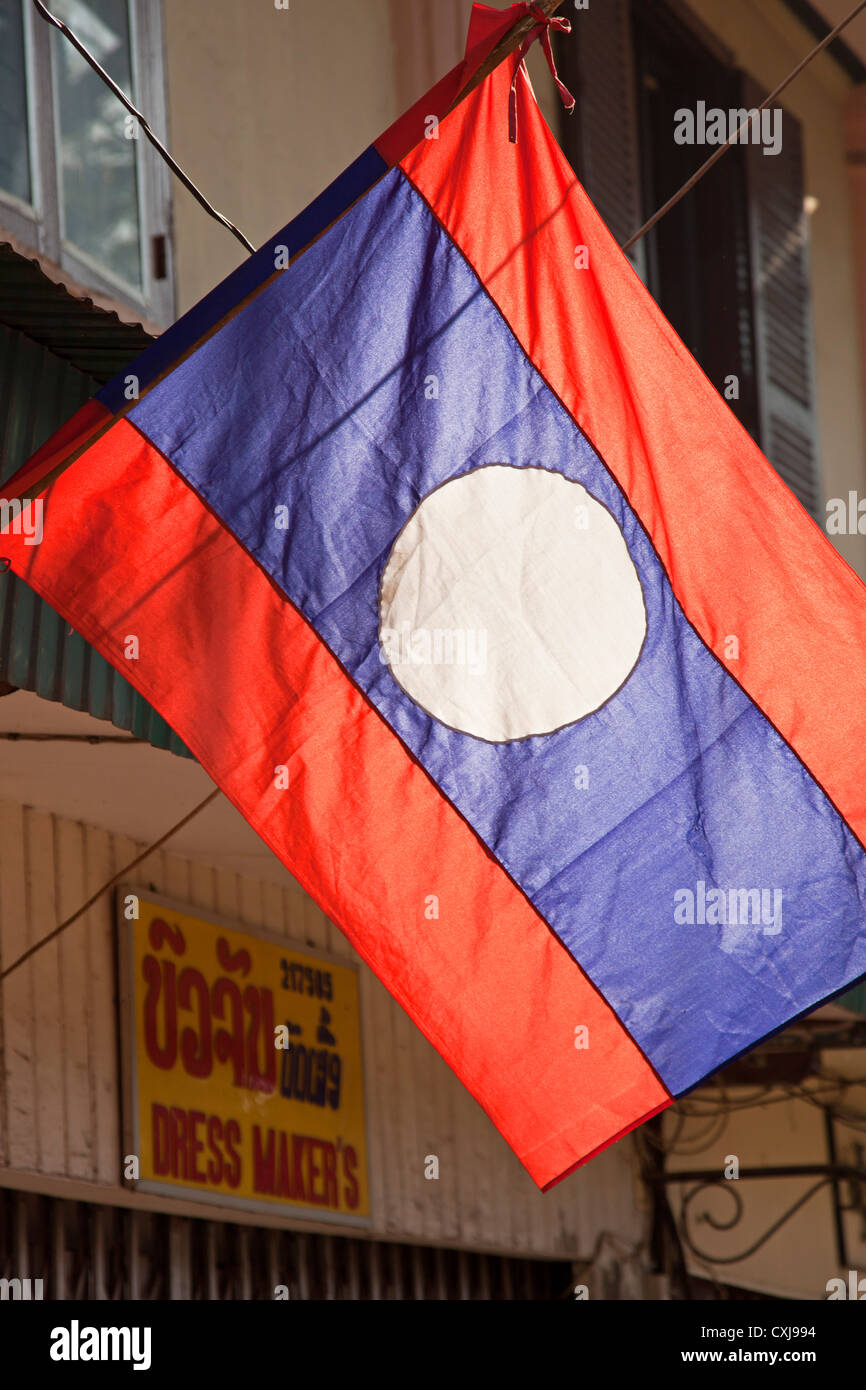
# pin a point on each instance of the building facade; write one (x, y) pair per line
(763, 276)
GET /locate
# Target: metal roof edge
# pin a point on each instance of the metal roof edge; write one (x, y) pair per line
(78, 326)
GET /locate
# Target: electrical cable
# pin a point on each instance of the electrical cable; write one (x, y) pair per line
(115, 878)
(134, 111)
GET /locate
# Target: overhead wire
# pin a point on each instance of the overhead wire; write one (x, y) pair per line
(133, 110)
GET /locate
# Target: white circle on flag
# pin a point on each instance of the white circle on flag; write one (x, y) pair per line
(510, 605)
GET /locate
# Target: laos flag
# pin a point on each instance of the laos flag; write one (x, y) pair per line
(461, 580)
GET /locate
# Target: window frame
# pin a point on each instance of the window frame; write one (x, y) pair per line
(669, 35)
(39, 223)
(19, 214)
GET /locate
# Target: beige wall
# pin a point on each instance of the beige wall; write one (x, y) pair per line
(265, 107)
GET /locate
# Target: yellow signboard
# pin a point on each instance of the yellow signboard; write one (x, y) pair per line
(244, 1081)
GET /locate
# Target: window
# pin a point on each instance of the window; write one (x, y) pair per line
(697, 259)
(729, 265)
(100, 209)
(78, 181)
(14, 151)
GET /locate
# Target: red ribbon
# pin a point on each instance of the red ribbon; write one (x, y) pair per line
(540, 30)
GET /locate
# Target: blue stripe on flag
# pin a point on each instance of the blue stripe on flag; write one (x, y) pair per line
(354, 181)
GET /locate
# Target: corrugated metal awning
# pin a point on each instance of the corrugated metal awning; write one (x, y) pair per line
(94, 340)
(55, 351)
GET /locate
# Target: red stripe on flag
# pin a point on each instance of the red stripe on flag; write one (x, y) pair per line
(129, 550)
(486, 27)
(744, 558)
(63, 442)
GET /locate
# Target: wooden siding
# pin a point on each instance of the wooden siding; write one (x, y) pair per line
(90, 1251)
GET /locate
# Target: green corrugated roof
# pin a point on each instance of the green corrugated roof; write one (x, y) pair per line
(55, 352)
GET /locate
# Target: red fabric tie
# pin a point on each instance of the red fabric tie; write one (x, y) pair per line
(541, 30)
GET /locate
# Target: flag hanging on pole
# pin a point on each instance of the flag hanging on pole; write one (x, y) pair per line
(460, 579)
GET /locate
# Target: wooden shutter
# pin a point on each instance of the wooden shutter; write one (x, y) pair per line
(600, 138)
(779, 252)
